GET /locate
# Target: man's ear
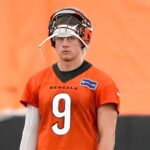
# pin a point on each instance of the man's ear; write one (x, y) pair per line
(52, 42)
(82, 45)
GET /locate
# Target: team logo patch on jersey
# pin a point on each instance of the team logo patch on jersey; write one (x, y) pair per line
(89, 83)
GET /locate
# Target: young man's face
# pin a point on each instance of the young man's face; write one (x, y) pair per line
(68, 48)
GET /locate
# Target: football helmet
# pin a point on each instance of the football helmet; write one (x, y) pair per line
(69, 22)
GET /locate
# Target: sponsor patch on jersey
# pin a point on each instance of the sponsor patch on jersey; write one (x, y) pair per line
(89, 83)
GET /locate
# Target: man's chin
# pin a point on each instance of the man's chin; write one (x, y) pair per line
(66, 58)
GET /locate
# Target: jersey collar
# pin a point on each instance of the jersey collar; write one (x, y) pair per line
(66, 76)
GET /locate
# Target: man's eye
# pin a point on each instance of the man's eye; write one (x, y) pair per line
(71, 38)
(60, 39)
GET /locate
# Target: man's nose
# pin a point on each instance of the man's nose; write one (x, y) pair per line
(65, 41)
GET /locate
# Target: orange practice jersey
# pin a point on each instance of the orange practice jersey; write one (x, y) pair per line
(68, 103)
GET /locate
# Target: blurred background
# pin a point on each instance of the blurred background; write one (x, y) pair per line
(120, 46)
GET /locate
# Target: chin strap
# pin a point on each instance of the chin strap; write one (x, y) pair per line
(44, 41)
(40, 47)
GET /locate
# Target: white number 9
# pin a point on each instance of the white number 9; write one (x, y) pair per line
(65, 114)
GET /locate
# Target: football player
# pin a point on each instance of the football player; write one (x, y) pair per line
(71, 105)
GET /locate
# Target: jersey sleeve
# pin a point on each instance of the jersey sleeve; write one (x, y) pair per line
(30, 95)
(107, 92)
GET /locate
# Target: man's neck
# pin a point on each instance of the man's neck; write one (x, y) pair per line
(69, 65)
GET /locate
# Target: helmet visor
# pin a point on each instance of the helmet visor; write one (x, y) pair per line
(65, 31)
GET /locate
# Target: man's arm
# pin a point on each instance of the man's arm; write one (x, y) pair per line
(107, 118)
(30, 131)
